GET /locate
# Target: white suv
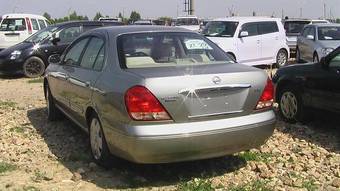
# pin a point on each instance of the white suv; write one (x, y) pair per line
(250, 40)
(15, 28)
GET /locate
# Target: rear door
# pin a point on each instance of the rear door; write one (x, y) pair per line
(270, 41)
(249, 48)
(82, 77)
(14, 30)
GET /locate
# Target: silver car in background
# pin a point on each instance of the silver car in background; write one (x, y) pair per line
(158, 95)
(317, 41)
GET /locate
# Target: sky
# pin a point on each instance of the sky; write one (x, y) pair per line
(172, 8)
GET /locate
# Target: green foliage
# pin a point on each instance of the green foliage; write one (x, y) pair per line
(196, 184)
(97, 16)
(6, 167)
(7, 104)
(309, 185)
(30, 188)
(36, 80)
(256, 185)
(135, 16)
(255, 156)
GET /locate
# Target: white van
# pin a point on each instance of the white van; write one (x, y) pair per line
(250, 40)
(14, 28)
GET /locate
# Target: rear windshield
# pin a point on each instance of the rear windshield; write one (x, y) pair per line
(329, 33)
(187, 21)
(13, 25)
(295, 27)
(167, 50)
(220, 29)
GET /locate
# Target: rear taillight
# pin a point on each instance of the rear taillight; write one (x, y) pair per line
(267, 97)
(29, 25)
(142, 105)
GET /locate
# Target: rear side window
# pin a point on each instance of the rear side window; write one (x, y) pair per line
(251, 28)
(91, 53)
(35, 24)
(67, 35)
(268, 27)
(42, 24)
(13, 24)
(72, 57)
(305, 31)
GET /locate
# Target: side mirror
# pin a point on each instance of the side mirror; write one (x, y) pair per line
(244, 34)
(54, 59)
(310, 37)
(55, 41)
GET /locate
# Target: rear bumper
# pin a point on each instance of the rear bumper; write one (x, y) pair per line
(224, 138)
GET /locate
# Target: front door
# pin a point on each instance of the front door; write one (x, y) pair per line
(249, 47)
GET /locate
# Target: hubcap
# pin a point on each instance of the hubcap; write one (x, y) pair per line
(33, 68)
(96, 139)
(282, 58)
(289, 105)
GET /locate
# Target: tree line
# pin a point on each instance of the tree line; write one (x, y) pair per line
(134, 16)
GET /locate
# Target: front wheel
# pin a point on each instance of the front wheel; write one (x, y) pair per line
(53, 113)
(281, 58)
(34, 67)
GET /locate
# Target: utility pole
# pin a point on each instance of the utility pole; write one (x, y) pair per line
(324, 11)
(282, 14)
(301, 12)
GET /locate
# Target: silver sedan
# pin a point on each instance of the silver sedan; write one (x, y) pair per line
(317, 41)
(159, 95)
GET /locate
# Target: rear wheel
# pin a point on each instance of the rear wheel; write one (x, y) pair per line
(99, 148)
(298, 55)
(53, 113)
(315, 57)
(290, 105)
(281, 58)
(34, 67)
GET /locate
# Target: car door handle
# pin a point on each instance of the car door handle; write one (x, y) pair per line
(276, 38)
(258, 41)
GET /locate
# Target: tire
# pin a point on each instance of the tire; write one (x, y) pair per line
(298, 55)
(34, 67)
(281, 58)
(53, 113)
(316, 57)
(291, 107)
(99, 149)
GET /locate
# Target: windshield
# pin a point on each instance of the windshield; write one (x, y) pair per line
(13, 25)
(329, 33)
(295, 27)
(220, 28)
(42, 35)
(168, 49)
(187, 21)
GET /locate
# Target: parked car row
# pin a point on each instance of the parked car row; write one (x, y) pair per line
(30, 57)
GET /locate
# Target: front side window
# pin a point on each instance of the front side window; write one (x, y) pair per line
(251, 28)
(329, 33)
(41, 35)
(72, 57)
(91, 53)
(220, 29)
(168, 50)
(13, 25)
(335, 62)
(42, 24)
(268, 27)
(35, 24)
(67, 35)
(306, 31)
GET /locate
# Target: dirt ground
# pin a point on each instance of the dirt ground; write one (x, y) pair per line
(39, 155)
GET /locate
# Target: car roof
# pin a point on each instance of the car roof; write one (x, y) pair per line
(87, 23)
(247, 19)
(22, 15)
(118, 30)
(325, 25)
